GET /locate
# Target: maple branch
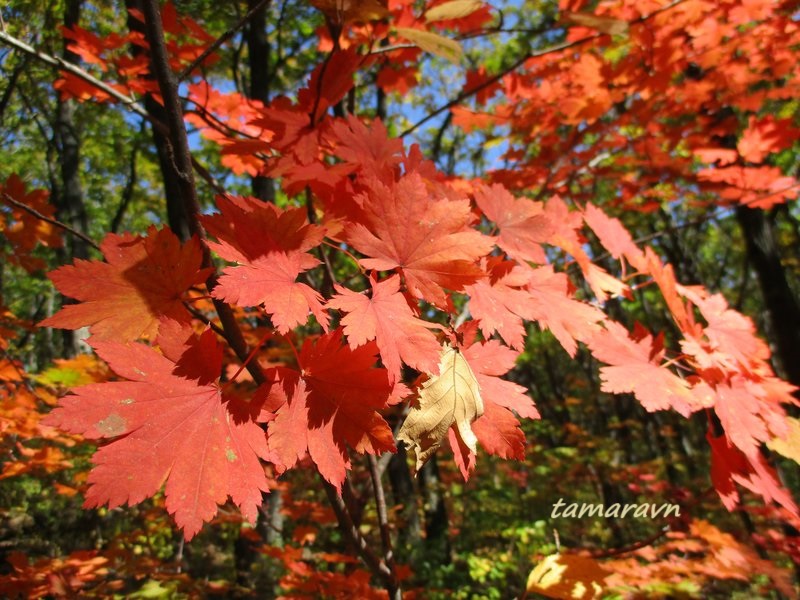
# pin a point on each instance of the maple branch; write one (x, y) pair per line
(353, 535)
(632, 547)
(383, 522)
(221, 40)
(64, 65)
(184, 164)
(126, 101)
(168, 86)
(204, 319)
(521, 61)
(495, 78)
(47, 219)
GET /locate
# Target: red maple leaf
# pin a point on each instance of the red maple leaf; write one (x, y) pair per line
(270, 244)
(428, 238)
(554, 309)
(369, 150)
(729, 465)
(566, 235)
(635, 367)
(613, 236)
(172, 423)
(765, 136)
(387, 318)
(21, 228)
(522, 223)
(330, 405)
(502, 302)
(497, 430)
(143, 280)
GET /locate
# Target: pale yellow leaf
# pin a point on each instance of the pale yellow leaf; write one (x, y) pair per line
(451, 398)
(433, 43)
(452, 10)
(607, 25)
(790, 445)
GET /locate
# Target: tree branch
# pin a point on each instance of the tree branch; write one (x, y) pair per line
(353, 535)
(383, 523)
(46, 219)
(62, 64)
(168, 87)
(130, 103)
(221, 40)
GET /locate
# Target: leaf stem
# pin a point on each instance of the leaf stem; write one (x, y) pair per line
(250, 357)
(222, 39)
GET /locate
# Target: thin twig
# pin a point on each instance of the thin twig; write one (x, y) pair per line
(632, 547)
(129, 103)
(383, 523)
(221, 40)
(353, 535)
(62, 64)
(47, 219)
(204, 319)
(130, 185)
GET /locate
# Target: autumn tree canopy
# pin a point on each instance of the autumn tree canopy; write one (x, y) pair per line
(341, 299)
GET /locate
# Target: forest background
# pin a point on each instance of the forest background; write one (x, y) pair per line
(338, 299)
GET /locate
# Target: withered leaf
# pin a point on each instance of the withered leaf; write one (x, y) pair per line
(450, 399)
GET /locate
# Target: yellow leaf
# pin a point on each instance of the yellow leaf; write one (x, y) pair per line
(433, 43)
(451, 398)
(452, 10)
(789, 446)
(607, 25)
(567, 576)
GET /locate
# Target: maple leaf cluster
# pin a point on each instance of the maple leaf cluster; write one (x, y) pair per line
(446, 276)
(23, 229)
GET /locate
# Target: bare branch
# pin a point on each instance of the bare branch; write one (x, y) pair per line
(46, 219)
(222, 39)
(62, 64)
(383, 523)
(353, 535)
(129, 103)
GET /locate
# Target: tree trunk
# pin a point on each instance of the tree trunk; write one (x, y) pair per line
(780, 302)
(68, 196)
(436, 520)
(176, 214)
(258, 52)
(403, 493)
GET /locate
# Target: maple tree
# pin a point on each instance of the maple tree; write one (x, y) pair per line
(365, 298)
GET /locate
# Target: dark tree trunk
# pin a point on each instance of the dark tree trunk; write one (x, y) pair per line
(68, 196)
(404, 494)
(258, 52)
(176, 213)
(436, 519)
(780, 302)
